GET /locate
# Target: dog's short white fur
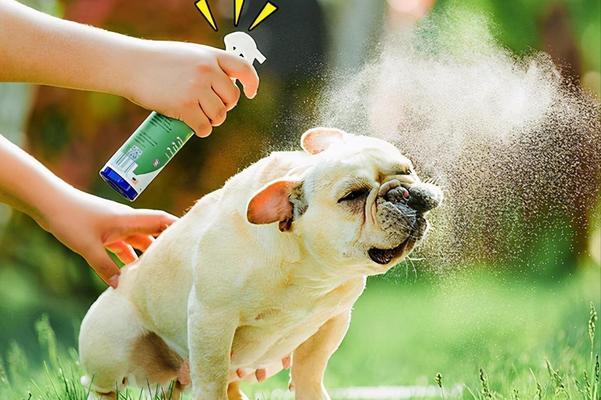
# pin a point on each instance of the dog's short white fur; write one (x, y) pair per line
(266, 267)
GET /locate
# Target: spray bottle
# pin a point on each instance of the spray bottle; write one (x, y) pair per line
(148, 150)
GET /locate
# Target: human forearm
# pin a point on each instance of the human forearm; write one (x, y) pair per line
(187, 81)
(27, 185)
(38, 48)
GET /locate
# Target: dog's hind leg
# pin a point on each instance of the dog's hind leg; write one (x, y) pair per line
(108, 335)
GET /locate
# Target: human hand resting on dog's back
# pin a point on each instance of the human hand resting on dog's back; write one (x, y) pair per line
(187, 81)
(86, 224)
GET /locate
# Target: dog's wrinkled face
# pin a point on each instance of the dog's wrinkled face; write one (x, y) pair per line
(361, 202)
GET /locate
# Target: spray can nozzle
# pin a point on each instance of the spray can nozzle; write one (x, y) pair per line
(243, 45)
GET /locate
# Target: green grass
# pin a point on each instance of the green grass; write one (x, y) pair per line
(502, 337)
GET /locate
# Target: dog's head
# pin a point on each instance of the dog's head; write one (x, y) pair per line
(360, 203)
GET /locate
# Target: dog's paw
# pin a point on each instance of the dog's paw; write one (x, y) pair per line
(101, 396)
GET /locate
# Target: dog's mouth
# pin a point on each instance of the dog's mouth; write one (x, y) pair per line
(384, 256)
(401, 213)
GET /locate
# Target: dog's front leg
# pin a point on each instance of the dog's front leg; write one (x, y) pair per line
(210, 335)
(310, 359)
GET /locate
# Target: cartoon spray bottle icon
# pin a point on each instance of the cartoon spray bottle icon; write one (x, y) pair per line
(156, 141)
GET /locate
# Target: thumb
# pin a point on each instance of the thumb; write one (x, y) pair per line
(104, 267)
(238, 68)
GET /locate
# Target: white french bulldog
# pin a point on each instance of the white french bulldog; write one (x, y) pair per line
(266, 267)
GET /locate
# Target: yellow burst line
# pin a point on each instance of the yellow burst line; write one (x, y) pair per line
(205, 10)
(268, 9)
(238, 4)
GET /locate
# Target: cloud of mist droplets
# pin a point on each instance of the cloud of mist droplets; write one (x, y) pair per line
(516, 149)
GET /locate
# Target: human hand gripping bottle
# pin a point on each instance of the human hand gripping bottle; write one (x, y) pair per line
(156, 141)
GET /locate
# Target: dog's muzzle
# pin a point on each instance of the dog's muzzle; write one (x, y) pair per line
(400, 214)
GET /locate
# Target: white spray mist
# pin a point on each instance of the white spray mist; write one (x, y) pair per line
(516, 149)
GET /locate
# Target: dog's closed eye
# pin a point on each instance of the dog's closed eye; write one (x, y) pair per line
(408, 171)
(356, 194)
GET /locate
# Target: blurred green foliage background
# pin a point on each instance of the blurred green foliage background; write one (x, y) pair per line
(408, 325)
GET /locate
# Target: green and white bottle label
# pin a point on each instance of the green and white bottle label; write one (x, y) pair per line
(149, 149)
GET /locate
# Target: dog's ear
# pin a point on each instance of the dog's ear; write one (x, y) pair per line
(272, 203)
(317, 140)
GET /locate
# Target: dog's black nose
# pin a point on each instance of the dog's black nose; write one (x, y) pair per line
(424, 197)
(421, 197)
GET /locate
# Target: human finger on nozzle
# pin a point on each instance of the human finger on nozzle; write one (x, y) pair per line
(238, 68)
